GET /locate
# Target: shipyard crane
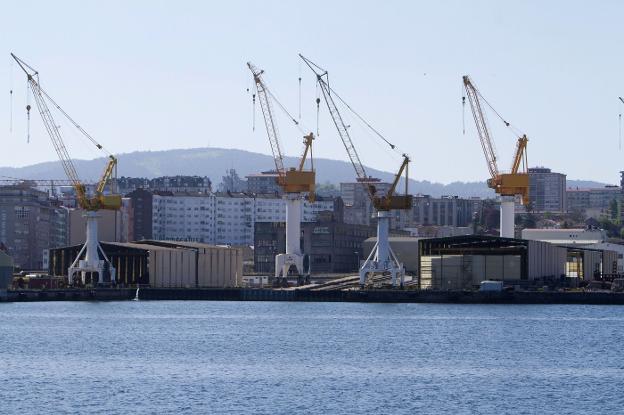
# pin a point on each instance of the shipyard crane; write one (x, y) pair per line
(382, 259)
(87, 262)
(507, 185)
(296, 182)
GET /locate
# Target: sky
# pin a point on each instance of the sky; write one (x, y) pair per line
(158, 75)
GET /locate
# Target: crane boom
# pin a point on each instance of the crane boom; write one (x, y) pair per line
(381, 259)
(521, 156)
(387, 201)
(515, 182)
(338, 121)
(482, 127)
(269, 119)
(49, 123)
(292, 180)
(99, 201)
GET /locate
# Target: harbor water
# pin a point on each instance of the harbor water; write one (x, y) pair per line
(312, 358)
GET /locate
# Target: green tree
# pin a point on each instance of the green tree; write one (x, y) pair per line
(614, 211)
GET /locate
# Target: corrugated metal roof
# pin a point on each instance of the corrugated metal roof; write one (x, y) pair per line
(183, 244)
(145, 247)
(398, 239)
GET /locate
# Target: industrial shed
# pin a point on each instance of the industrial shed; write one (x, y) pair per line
(163, 264)
(215, 265)
(462, 262)
(588, 263)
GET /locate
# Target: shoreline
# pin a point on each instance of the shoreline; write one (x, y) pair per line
(362, 296)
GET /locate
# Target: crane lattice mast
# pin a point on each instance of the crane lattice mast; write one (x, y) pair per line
(343, 132)
(269, 119)
(482, 128)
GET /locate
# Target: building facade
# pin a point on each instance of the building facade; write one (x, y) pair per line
(358, 208)
(547, 190)
(333, 246)
(174, 184)
(443, 211)
(215, 218)
(30, 223)
(263, 183)
(594, 202)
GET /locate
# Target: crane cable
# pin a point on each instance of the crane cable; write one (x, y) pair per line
(392, 146)
(11, 98)
(78, 127)
(331, 90)
(28, 88)
(299, 90)
(515, 130)
(620, 124)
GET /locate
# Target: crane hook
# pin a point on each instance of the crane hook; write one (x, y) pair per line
(318, 102)
(253, 99)
(464, 114)
(28, 123)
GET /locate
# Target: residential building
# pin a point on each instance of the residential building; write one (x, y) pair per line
(29, 223)
(173, 184)
(358, 206)
(333, 246)
(181, 217)
(234, 214)
(141, 203)
(443, 211)
(547, 190)
(217, 218)
(263, 183)
(594, 202)
(181, 184)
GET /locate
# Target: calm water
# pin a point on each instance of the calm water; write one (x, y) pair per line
(328, 358)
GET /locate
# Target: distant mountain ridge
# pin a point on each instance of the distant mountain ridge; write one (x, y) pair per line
(214, 162)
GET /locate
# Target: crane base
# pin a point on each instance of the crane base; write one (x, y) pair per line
(283, 264)
(95, 272)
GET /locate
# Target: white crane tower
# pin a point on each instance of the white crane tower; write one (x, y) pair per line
(296, 183)
(382, 259)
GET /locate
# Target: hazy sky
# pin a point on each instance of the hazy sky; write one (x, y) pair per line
(149, 75)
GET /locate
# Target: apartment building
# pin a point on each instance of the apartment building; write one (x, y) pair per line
(547, 190)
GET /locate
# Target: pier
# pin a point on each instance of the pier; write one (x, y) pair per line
(361, 296)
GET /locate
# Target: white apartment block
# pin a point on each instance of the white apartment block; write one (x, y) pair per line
(221, 219)
(184, 218)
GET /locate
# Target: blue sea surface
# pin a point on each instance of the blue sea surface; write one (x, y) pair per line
(309, 358)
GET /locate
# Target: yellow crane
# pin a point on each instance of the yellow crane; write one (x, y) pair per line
(507, 185)
(382, 259)
(100, 270)
(296, 182)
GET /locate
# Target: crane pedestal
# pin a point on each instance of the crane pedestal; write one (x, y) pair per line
(91, 264)
(507, 216)
(293, 255)
(382, 259)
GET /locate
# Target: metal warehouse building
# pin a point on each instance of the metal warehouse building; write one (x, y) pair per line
(163, 263)
(462, 262)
